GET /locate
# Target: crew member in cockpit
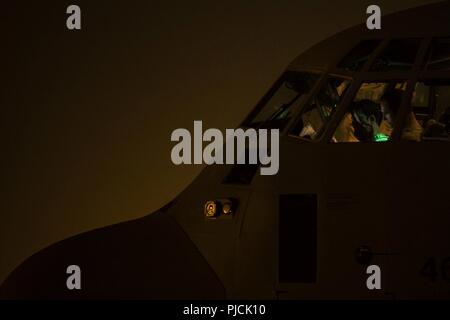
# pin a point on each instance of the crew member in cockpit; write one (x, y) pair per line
(361, 124)
(367, 118)
(390, 105)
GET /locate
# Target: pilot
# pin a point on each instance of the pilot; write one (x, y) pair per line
(367, 119)
(434, 129)
(314, 117)
(345, 132)
(361, 124)
(390, 104)
(312, 122)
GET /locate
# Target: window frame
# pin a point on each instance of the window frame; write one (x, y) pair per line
(381, 44)
(411, 77)
(296, 117)
(343, 108)
(272, 90)
(428, 52)
(418, 57)
(421, 77)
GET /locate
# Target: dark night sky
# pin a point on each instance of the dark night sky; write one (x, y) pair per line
(86, 116)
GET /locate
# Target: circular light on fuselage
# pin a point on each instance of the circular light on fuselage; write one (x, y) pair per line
(226, 209)
(210, 209)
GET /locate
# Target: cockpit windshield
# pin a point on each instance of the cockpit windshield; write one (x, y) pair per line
(319, 110)
(372, 115)
(277, 108)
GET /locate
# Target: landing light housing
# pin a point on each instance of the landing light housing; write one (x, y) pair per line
(220, 208)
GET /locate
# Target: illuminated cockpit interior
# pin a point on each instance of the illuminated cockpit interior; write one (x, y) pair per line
(379, 91)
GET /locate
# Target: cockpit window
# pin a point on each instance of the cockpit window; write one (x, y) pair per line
(439, 55)
(287, 96)
(429, 119)
(368, 118)
(319, 110)
(355, 59)
(399, 55)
